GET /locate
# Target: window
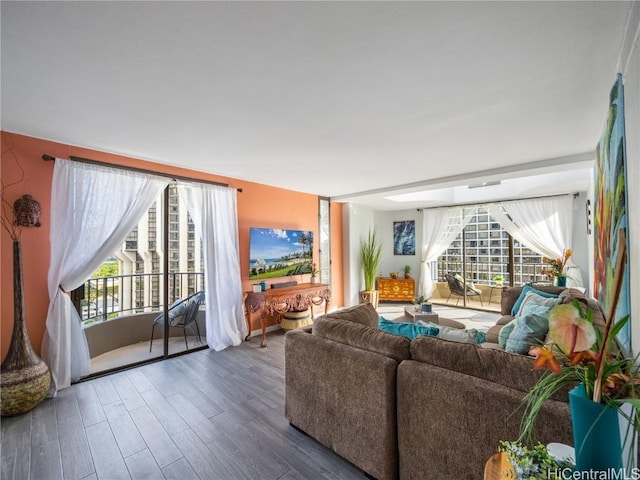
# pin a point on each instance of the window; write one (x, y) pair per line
(486, 254)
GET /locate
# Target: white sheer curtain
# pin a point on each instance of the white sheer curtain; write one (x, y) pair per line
(440, 227)
(214, 213)
(542, 224)
(93, 208)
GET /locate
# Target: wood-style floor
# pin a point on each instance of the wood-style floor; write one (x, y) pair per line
(206, 415)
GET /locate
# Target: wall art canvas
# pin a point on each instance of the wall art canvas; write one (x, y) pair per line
(404, 237)
(610, 212)
(277, 252)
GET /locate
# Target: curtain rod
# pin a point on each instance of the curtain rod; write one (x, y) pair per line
(476, 204)
(49, 158)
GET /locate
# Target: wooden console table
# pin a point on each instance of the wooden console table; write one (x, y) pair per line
(396, 289)
(281, 300)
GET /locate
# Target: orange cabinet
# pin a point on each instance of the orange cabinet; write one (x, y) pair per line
(396, 289)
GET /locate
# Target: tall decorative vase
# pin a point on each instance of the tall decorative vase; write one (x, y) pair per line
(560, 281)
(370, 296)
(603, 438)
(25, 378)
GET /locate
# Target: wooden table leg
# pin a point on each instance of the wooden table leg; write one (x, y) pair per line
(263, 324)
(247, 316)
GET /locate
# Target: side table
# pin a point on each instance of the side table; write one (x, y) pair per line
(411, 315)
(429, 317)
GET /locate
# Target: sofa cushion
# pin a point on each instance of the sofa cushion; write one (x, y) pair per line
(528, 330)
(520, 300)
(505, 331)
(406, 329)
(363, 313)
(493, 333)
(538, 304)
(362, 336)
(509, 295)
(508, 369)
(455, 334)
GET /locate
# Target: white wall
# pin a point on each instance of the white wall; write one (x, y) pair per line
(356, 221)
(582, 242)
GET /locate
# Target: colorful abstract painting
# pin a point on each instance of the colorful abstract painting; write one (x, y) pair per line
(404, 237)
(610, 215)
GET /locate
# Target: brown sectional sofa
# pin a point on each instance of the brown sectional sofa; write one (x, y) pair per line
(422, 409)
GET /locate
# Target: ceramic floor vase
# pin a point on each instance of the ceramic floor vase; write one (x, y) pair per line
(25, 379)
(602, 437)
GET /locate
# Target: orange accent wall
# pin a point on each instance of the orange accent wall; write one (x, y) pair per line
(258, 206)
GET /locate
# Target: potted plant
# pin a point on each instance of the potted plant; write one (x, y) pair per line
(556, 270)
(406, 269)
(314, 273)
(499, 279)
(606, 384)
(418, 301)
(370, 253)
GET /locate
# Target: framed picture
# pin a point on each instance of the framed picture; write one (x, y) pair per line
(404, 237)
(277, 252)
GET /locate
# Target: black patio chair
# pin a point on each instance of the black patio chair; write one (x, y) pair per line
(457, 287)
(182, 313)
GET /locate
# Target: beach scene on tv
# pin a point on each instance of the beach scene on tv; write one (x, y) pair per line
(279, 253)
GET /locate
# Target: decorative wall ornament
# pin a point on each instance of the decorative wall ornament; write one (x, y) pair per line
(26, 212)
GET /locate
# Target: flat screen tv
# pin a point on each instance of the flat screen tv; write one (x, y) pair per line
(275, 252)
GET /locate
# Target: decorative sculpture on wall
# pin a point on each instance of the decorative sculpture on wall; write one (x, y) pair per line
(26, 211)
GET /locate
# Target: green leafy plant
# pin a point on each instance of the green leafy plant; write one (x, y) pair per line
(419, 300)
(406, 269)
(370, 254)
(533, 463)
(579, 353)
(498, 278)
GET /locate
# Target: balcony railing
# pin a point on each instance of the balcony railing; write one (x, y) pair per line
(101, 299)
(482, 273)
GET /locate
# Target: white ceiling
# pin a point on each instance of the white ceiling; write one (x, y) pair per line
(331, 98)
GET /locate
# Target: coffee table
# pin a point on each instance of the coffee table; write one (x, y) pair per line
(412, 316)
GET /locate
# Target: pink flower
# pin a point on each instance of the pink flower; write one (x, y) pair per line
(569, 331)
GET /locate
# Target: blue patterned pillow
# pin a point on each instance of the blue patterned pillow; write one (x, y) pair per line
(504, 333)
(525, 290)
(529, 330)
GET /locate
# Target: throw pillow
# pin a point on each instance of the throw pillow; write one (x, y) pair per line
(407, 329)
(505, 332)
(528, 331)
(460, 335)
(462, 281)
(525, 290)
(534, 303)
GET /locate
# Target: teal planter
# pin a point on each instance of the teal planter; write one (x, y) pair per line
(602, 438)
